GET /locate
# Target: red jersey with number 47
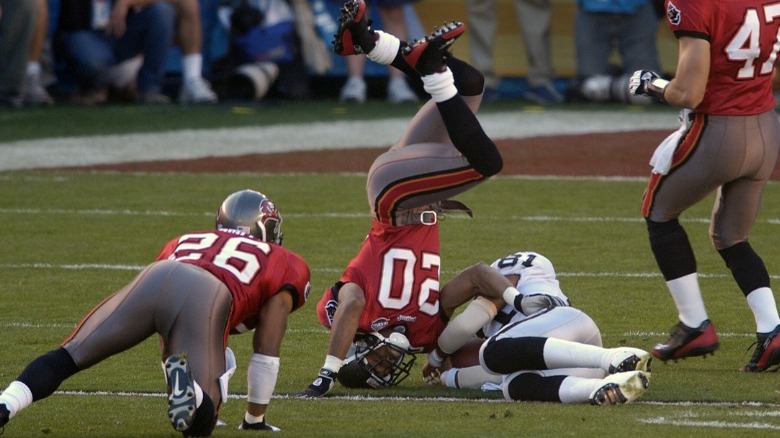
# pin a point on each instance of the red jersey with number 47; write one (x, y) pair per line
(743, 37)
(398, 269)
(252, 270)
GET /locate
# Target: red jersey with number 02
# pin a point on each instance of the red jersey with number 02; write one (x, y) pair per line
(252, 270)
(398, 269)
(743, 37)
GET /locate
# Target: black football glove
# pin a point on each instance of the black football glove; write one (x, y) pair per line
(647, 83)
(258, 426)
(320, 385)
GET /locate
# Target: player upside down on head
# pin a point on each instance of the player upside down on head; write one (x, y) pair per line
(390, 290)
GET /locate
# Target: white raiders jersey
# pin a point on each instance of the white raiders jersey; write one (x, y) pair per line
(536, 276)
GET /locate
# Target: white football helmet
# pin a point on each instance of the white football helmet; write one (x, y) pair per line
(537, 275)
(376, 361)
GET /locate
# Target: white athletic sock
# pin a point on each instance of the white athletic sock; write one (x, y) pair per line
(687, 297)
(386, 48)
(33, 68)
(333, 363)
(762, 303)
(441, 85)
(566, 354)
(469, 378)
(251, 419)
(192, 65)
(16, 397)
(576, 389)
(198, 393)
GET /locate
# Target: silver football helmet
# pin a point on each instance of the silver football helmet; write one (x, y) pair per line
(377, 361)
(253, 213)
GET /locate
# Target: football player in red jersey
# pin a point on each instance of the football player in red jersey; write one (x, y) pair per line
(202, 287)
(728, 142)
(392, 284)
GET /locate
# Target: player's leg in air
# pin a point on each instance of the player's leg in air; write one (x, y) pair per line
(445, 128)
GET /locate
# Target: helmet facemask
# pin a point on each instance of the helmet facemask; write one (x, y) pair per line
(378, 362)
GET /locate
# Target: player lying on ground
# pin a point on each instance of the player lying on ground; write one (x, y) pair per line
(546, 351)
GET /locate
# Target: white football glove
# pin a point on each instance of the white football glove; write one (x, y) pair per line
(647, 83)
(531, 304)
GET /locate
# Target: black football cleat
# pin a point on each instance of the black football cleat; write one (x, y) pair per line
(767, 354)
(688, 342)
(355, 35)
(429, 54)
(181, 392)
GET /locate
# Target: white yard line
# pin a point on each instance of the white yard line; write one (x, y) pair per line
(188, 144)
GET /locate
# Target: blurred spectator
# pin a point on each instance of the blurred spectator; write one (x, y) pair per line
(391, 12)
(264, 54)
(603, 26)
(34, 93)
(189, 36)
(17, 27)
(534, 17)
(92, 37)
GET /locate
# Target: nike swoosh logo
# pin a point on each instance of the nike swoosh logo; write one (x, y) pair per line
(176, 390)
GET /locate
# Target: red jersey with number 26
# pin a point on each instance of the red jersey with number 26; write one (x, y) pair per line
(252, 270)
(398, 269)
(743, 46)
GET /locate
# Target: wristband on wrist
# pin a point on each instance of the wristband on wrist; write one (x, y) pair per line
(656, 88)
(434, 359)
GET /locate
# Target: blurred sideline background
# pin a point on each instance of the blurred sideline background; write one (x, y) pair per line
(422, 17)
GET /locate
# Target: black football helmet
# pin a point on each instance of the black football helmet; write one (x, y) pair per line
(377, 361)
(251, 212)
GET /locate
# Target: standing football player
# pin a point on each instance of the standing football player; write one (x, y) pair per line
(544, 351)
(392, 285)
(202, 287)
(728, 142)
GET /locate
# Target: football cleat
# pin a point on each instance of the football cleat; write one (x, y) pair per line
(355, 35)
(687, 342)
(629, 359)
(767, 354)
(429, 54)
(620, 388)
(258, 426)
(181, 392)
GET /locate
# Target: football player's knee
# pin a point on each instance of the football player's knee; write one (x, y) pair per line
(489, 163)
(205, 419)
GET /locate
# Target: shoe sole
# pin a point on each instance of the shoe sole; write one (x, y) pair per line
(615, 393)
(181, 393)
(449, 32)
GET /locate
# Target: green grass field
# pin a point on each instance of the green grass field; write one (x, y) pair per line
(71, 238)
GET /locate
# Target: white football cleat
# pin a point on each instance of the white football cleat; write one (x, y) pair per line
(620, 388)
(624, 359)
